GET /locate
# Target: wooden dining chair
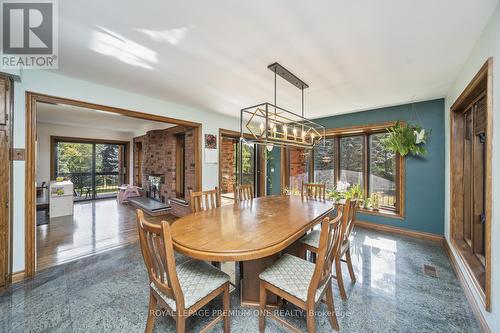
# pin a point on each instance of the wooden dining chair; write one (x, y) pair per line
(204, 200)
(180, 289)
(313, 191)
(303, 283)
(310, 243)
(243, 192)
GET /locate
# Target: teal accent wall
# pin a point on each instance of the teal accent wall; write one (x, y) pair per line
(274, 171)
(425, 178)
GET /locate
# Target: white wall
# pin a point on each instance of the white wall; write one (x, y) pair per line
(45, 131)
(49, 83)
(488, 45)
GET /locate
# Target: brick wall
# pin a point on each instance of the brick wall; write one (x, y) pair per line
(159, 158)
(227, 165)
(298, 167)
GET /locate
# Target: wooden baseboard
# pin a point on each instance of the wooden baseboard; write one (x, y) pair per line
(18, 277)
(399, 231)
(467, 289)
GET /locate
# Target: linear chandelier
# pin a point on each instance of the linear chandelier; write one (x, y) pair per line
(271, 125)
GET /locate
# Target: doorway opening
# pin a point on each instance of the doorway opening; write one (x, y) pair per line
(253, 164)
(90, 166)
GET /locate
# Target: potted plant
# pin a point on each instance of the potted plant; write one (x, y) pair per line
(367, 204)
(375, 200)
(355, 192)
(339, 192)
(405, 139)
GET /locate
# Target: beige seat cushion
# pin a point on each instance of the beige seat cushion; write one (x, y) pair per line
(197, 280)
(292, 275)
(312, 238)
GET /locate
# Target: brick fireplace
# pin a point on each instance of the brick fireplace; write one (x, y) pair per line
(159, 159)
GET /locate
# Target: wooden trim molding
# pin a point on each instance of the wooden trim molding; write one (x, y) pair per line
(32, 98)
(359, 129)
(8, 155)
(18, 277)
(399, 231)
(482, 81)
(381, 212)
(466, 287)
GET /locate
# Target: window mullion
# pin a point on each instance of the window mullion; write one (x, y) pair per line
(336, 155)
(366, 170)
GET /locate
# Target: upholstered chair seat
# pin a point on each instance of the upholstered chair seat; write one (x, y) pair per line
(184, 288)
(303, 283)
(292, 275)
(312, 239)
(197, 280)
(310, 242)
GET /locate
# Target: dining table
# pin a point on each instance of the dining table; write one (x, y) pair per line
(254, 233)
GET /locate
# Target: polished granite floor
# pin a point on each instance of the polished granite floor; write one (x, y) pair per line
(108, 293)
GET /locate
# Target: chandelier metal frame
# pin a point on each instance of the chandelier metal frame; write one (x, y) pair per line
(271, 125)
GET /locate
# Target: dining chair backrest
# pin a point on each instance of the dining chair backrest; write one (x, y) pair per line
(204, 200)
(313, 191)
(349, 214)
(329, 247)
(158, 254)
(243, 192)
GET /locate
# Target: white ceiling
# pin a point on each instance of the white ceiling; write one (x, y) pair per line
(214, 54)
(68, 115)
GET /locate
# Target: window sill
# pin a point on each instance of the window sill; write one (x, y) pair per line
(381, 212)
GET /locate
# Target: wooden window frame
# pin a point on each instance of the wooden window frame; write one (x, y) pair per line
(56, 139)
(366, 131)
(482, 82)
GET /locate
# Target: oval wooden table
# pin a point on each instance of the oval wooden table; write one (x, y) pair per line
(253, 232)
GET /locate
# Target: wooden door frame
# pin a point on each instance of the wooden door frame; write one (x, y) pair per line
(8, 228)
(485, 74)
(32, 98)
(260, 189)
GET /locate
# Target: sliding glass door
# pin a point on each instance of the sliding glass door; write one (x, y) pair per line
(96, 169)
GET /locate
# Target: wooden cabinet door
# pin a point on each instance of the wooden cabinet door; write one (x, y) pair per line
(4, 179)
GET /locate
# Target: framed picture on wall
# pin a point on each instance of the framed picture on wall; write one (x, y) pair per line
(210, 141)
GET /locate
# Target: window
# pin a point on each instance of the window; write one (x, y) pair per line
(360, 158)
(352, 159)
(382, 172)
(247, 164)
(324, 163)
(95, 167)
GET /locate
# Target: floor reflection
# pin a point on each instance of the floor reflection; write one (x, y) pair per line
(108, 292)
(95, 226)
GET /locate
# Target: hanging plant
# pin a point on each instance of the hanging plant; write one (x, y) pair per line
(406, 139)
